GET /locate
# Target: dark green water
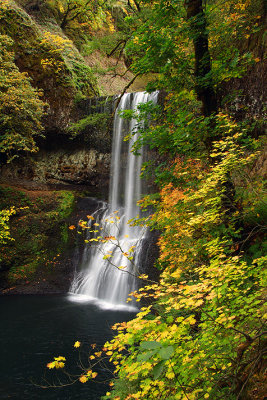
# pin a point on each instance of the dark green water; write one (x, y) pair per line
(34, 329)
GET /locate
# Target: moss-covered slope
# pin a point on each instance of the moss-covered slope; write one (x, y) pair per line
(51, 60)
(36, 255)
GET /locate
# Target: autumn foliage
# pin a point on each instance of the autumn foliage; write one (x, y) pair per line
(203, 335)
(200, 330)
(21, 109)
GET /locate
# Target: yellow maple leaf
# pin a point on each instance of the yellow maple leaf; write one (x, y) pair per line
(83, 379)
(77, 344)
(60, 358)
(60, 364)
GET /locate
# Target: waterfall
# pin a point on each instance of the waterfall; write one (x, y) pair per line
(108, 281)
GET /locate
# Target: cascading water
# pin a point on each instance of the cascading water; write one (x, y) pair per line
(109, 280)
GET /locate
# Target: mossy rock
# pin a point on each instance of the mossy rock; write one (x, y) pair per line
(40, 232)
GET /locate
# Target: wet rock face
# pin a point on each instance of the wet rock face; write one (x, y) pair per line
(63, 158)
(79, 166)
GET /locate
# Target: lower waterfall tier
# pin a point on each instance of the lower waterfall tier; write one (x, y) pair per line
(111, 259)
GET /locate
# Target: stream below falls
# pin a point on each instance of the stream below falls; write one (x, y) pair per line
(38, 328)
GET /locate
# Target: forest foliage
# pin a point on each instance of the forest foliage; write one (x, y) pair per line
(200, 330)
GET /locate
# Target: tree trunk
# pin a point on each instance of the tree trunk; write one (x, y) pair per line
(204, 85)
(206, 94)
